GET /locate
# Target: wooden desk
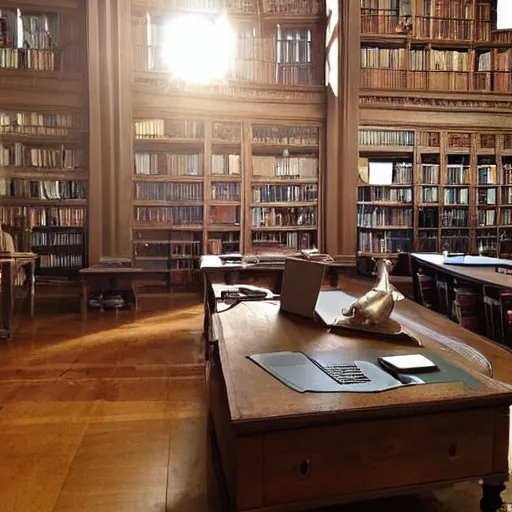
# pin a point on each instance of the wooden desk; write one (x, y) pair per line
(107, 277)
(273, 449)
(485, 281)
(269, 274)
(11, 264)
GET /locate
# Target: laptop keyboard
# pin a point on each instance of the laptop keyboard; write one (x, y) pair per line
(346, 374)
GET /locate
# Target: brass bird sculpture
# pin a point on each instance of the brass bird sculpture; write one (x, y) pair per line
(376, 306)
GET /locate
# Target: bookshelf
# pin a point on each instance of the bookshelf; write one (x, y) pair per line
(427, 45)
(44, 170)
(458, 198)
(283, 207)
(194, 194)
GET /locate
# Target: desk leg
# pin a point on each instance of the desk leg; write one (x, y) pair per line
(83, 302)
(32, 284)
(7, 297)
(491, 496)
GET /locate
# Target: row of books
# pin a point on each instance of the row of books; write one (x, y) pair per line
(169, 128)
(385, 138)
(385, 241)
(269, 217)
(56, 190)
(428, 218)
(26, 58)
(56, 216)
(225, 215)
(60, 157)
(295, 135)
(226, 165)
(506, 197)
(284, 193)
(458, 174)
(169, 164)
(421, 60)
(37, 30)
(37, 123)
(371, 216)
(175, 215)
(384, 193)
(430, 174)
(229, 242)
(455, 218)
(383, 58)
(60, 260)
(486, 196)
(290, 240)
(507, 174)
(455, 240)
(162, 250)
(456, 196)
(429, 139)
(168, 191)
(285, 167)
(487, 174)
(506, 217)
(226, 132)
(222, 191)
(487, 217)
(426, 242)
(56, 238)
(429, 194)
(287, 7)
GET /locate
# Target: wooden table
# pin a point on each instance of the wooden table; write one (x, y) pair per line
(230, 270)
(108, 278)
(273, 449)
(11, 263)
(485, 281)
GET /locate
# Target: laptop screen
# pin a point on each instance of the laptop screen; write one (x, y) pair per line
(302, 282)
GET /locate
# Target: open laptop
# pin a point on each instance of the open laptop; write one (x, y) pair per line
(302, 294)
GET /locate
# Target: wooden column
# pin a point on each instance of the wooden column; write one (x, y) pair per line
(342, 137)
(110, 152)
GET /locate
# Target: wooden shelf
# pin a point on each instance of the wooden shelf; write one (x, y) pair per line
(386, 149)
(32, 201)
(229, 178)
(41, 139)
(163, 178)
(216, 202)
(43, 174)
(387, 228)
(166, 143)
(154, 202)
(258, 181)
(166, 227)
(295, 204)
(259, 148)
(393, 185)
(284, 228)
(223, 227)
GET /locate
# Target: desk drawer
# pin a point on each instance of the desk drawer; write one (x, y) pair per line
(319, 462)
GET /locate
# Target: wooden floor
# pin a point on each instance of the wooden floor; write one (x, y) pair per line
(108, 415)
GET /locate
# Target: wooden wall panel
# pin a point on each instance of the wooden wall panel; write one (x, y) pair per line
(342, 135)
(109, 24)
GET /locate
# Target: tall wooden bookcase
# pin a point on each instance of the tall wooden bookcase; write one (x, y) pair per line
(435, 86)
(44, 131)
(214, 174)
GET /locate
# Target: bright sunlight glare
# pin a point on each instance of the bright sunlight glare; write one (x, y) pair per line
(199, 50)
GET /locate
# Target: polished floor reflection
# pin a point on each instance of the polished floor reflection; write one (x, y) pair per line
(108, 415)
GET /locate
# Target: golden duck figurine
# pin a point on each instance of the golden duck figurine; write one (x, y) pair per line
(375, 307)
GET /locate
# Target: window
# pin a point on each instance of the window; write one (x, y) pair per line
(504, 15)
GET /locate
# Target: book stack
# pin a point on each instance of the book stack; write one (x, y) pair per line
(465, 310)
